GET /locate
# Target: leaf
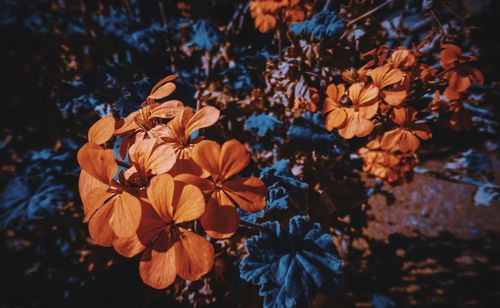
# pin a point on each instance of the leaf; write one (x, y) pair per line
(292, 266)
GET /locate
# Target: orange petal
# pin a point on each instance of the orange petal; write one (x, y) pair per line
(189, 203)
(151, 225)
(384, 76)
(233, 158)
(390, 140)
(87, 183)
(158, 264)
(126, 125)
(220, 219)
(161, 194)
(335, 92)
(162, 159)
(334, 119)
(187, 166)
(169, 78)
(194, 255)
(368, 111)
(265, 23)
(102, 130)
(449, 55)
(249, 193)
(205, 117)
(362, 127)
(206, 155)
(126, 215)
(409, 143)
(99, 228)
(96, 198)
(167, 110)
(359, 94)
(148, 158)
(394, 97)
(98, 162)
(422, 131)
(203, 184)
(163, 91)
(347, 131)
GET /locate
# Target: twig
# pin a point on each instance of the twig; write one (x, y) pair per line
(162, 12)
(369, 12)
(251, 225)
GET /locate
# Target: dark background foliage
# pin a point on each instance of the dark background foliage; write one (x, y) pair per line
(61, 61)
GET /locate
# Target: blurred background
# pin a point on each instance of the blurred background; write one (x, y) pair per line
(433, 242)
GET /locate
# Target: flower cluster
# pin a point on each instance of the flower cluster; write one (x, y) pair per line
(383, 101)
(164, 177)
(267, 13)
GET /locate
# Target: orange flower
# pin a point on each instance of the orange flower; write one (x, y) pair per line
(385, 76)
(380, 163)
(263, 12)
(177, 133)
(108, 206)
(388, 166)
(364, 106)
(335, 115)
(221, 219)
(148, 159)
(459, 76)
(145, 123)
(405, 138)
(169, 248)
(402, 58)
(113, 207)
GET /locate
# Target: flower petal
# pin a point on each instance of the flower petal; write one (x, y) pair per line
(99, 228)
(233, 158)
(189, 203)
(249, 193)
(150, 226)
(220, 219)
(160, 194)
(394, 97)
(126, 125)
(96, 198)
(167, 110)
(390, 140)
(194, 255)
(98, 162)
(157, 266)
(206, 155)
(206, 186)
(126, 215)
(205, 117)
(102, 130)
(334, 119)
(408, 143)
(163, 91)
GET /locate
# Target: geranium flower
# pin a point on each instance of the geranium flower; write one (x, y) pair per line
(380, 163)
(177, 133)
(221, 219)
(335, 115)
(148, 159)
(402, 58)
(406, 137)
(170, 249)
(385, 76)
(109, 208)
(459, 75)
(145, 123)
(113, 207)
(364, 106)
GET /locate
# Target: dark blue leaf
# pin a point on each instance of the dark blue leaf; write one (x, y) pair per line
(321, 26)
(292, 266)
